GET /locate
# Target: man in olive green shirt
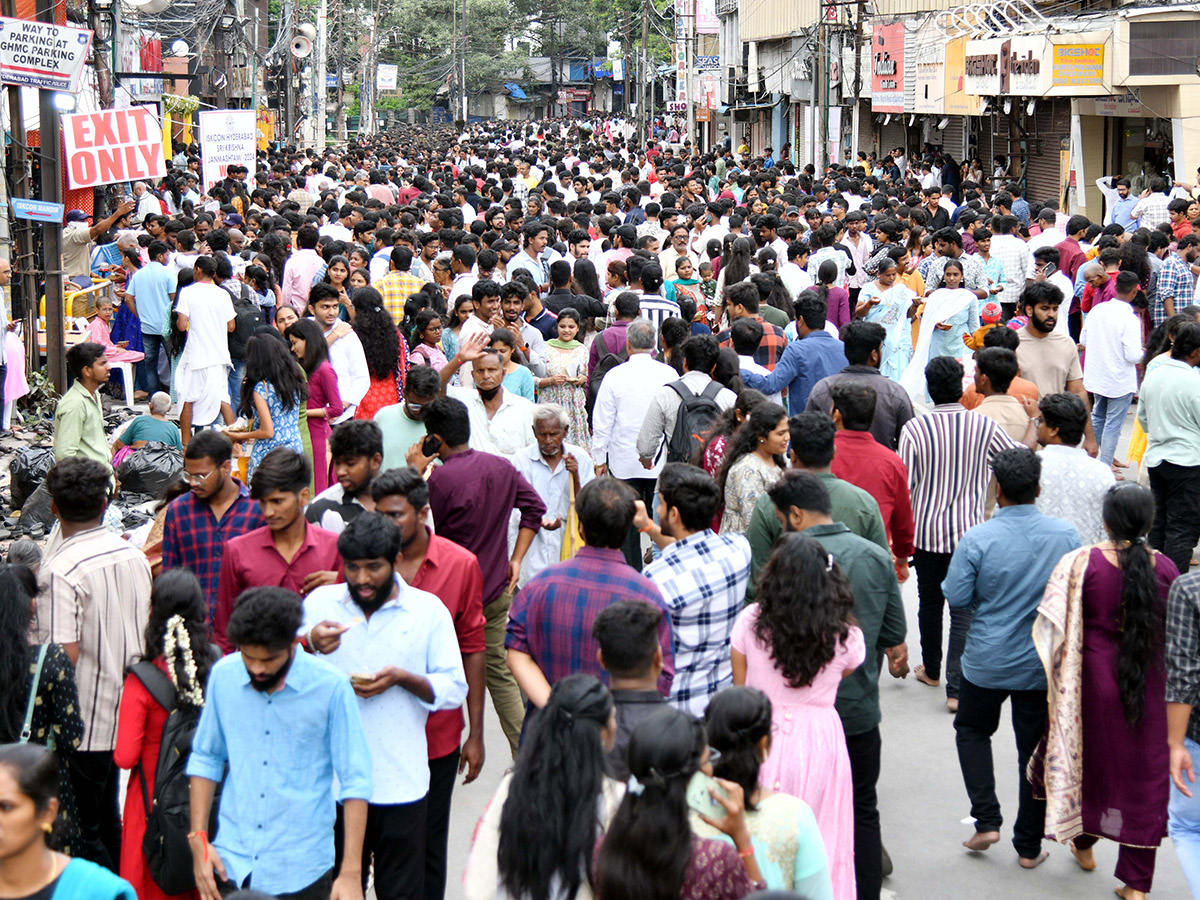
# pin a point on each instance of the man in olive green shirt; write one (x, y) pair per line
(812, 451)
(804, 505)
(79, 417)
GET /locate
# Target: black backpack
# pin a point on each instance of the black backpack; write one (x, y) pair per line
(247, 317)
(693, 422)
(168, 818)
(605, 364)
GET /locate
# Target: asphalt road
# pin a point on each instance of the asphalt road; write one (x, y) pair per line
(923, 805)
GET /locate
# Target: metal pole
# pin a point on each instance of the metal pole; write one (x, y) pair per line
(689, 44)
(643, 112)
(858, 36)
(322, 92)
(51, 158)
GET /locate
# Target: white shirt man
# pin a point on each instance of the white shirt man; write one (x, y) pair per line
(622, 402)
(507, 431)
(350, 366)
(554, 487)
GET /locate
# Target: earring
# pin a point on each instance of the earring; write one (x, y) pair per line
(47, 827)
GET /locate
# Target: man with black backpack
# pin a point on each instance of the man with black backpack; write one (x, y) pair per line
(682, 413)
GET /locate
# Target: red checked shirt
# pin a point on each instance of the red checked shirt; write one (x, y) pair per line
(863, 461)
(453, 575)
(252, 561)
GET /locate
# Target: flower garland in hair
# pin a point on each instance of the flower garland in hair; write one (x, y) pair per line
(177, 637)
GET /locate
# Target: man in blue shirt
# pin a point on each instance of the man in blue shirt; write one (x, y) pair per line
(283, 723)
(1000, 568)
(152, 290)
(815, 354)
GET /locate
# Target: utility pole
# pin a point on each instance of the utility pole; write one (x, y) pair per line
(858, 36)
(645, 120)
(322, 91)
(22, 228)
(51, 158)
(823, 108)
(462, 84)
(453, 100)
(689, 46)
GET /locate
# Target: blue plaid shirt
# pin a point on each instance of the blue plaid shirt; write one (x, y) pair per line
(1175, 280)
(194, 539)
(551, 617)
(703, 580)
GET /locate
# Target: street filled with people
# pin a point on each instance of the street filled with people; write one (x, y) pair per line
(637, 444)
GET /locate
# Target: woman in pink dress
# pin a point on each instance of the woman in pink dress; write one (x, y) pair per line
(796, 644)
(324, 401)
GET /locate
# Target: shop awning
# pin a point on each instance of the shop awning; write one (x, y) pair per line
(515, 91)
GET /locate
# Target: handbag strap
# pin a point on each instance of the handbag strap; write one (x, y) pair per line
(27, 728)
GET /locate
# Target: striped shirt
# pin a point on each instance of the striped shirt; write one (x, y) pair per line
(1014, 256)
(95, 592)
(949, 454)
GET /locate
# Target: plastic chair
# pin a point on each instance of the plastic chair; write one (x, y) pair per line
(126, 370)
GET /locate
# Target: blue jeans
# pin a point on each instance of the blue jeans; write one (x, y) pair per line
(1184, 825)
(236, 374)
(154, 347)
(1108, 415)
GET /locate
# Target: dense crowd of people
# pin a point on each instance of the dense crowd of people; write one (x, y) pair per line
(642, 442)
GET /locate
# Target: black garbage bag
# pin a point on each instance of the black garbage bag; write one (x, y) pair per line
(28, 470)
(37, 510)
(149, 469)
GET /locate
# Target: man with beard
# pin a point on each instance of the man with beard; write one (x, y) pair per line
(802, 504)
(356, 449)
(287, 552)
(435, 564)
(1047, 357)
(500, 420)
(276, 752)
(404, 663)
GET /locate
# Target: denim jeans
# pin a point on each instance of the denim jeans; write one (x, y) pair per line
(236, 374)
(155, 347)
(1108, 415)
(1183, 825)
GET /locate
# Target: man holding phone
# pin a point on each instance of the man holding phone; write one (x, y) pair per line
(402, 667)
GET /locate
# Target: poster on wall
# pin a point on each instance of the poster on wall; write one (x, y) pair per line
(887, 68)
(957, 101)
(1078, 65)
(385, 77)
(228, 137)
(1006, 66)
(113, 145)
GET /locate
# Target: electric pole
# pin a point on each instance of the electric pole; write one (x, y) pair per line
(689, 46)
(322, 91)
(643, 111)
(52, 173)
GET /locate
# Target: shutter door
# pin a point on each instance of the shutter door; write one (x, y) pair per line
(866, 130)
(952, 137)
(1052, 119)
(893, 135)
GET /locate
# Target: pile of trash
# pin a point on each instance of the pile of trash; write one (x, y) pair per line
(27, 454)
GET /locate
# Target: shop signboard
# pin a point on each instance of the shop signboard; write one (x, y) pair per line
(931, 79)
(1006, 66)
(957, 101)
(887, 68)
(1078, 65)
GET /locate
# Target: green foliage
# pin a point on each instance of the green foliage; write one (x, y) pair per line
(41, 400)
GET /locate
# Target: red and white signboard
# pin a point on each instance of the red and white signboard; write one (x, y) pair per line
(42, 54)
(113, 145)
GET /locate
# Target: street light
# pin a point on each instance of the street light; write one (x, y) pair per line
(64, 102)
(180, 48)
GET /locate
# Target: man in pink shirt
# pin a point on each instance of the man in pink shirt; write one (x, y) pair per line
(301, 268)
(287, 552)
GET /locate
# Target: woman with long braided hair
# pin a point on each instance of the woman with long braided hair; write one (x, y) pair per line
(178, 644)
(1100, 633)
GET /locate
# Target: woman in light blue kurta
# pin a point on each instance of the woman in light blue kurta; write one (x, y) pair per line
(787, 841)
(889, 303)
(962, 306)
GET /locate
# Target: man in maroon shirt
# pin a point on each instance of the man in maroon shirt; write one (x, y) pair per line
(432, 563)
(287, 552)
(878, 470)
(1070, 254)
(472, 495)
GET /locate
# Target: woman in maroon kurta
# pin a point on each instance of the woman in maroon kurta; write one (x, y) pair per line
(177, 643)
(1115, 644)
